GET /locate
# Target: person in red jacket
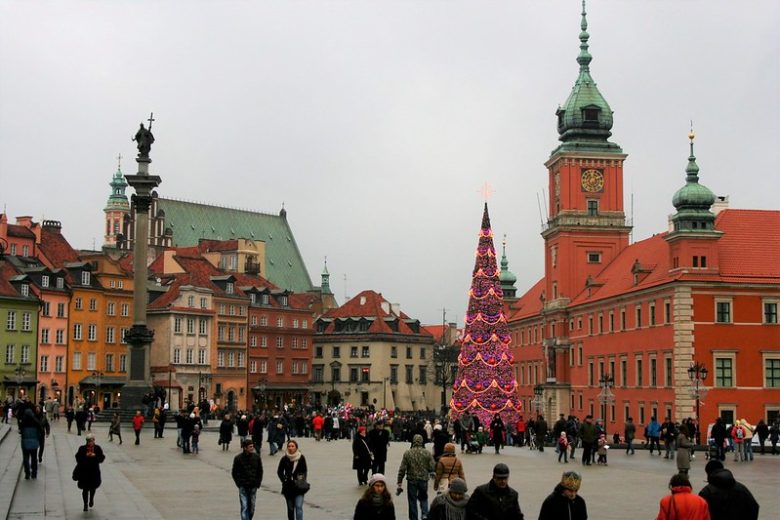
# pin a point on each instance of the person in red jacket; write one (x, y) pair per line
(138, 422)
(317, 423)
(682, 504)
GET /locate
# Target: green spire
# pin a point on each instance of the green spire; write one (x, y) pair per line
(693, 201)
(506, 277)
(325, 278)
(585, 120)
(117, 200)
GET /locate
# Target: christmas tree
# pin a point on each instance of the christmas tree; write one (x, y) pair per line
(486, 383)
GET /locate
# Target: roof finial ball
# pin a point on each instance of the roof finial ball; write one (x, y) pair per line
(691, 134)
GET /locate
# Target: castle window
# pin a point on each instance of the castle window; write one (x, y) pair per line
(593, 207)
(723, 312)
(594, 258)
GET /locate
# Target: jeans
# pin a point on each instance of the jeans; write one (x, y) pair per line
(30, 462)
(418, 491)
(748, 448)
(294, 507)
(247, 497)
(670, 447)
(630, 446)
(655, 444)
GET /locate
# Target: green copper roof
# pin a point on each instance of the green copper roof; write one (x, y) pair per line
(693, 201)
(118, 200)
(585, 120)
(506, 277)
(191, 221)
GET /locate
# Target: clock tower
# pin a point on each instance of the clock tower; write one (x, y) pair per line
(586, 226)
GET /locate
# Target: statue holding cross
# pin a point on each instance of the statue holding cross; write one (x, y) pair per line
(144, 138)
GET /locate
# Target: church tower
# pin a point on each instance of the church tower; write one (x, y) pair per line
(116, 208)
(586, 226)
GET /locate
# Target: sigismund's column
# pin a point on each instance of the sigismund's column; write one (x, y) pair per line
(140, 337)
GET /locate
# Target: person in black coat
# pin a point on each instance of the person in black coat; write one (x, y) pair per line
(440, 439)
(87, 472)
(361, 456)
(495, 500)
(564, 502)
(376, 502)
(225, 432)
(719, 434)
(378, 441)
(727, 499)
(497, 432)
(292, 472)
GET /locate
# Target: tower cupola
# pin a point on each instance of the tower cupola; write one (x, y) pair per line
(585, 119)
(693, 201)
(506, 277)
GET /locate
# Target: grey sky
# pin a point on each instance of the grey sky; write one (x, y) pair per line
(376, 123)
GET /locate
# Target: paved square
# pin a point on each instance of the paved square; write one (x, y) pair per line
(155, 480)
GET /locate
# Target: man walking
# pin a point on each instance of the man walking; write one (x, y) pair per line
(495, 500)
(248, 475)
(138, 422)
(588, 436)
(378, 441)
(629, 432)
(417, 465)
(727, 499)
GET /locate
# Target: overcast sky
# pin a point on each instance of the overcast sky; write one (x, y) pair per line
(377, 122)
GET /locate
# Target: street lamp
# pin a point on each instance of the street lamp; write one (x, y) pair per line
(97, 375)
(607, 381)
(697, 372)
(20, 372)
(538, 398)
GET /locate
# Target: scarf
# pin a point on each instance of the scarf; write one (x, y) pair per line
(454, 509)
(294, 458)
(377, 500)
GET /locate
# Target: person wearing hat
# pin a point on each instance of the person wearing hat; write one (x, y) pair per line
(247, 473)
(361, 456)
(448, 467)
(726, 498)
(564, 502)
(495, 500)
(417, 464)
(452, 504)
(376, 502)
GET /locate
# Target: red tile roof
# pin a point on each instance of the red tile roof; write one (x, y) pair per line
(15, 230)
(368, 304)
(56, 249)
(6, 272)
(529, 304)
(750, 246)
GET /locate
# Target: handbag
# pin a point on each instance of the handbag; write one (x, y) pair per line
(76, 473)
(301, 485)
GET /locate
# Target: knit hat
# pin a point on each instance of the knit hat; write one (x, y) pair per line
(361, 429)
(458, 485)
(501, 470)
(449, 448)
(376, 477)
(571, 480)
(713, 466)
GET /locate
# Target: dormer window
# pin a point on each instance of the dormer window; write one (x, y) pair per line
(229, 287)
(590, 114)
(264, 299)
(283, 300)
(60, 283)
(44, 281)
(252, 298)
(85, 277)
(25, 289)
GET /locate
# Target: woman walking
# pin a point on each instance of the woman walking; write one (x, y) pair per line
(31, 431)
(225, 432)
(361, 456)
(87, 472)
(452, 504)
(376, 502)
(497, 432)
(114, 428)
(682, 504)
(684, 446)
(292, 472)
(448, 468)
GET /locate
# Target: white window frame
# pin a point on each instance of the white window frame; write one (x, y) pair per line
(730, 302)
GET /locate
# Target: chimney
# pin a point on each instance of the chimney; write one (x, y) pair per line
(721, 203)
(55, 226)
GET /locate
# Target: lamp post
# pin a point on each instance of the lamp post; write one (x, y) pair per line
(538, 398)
(19, 372)
(607, 382)
(97, 375)
(697, 373)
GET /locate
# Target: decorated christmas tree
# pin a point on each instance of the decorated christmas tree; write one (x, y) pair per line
(486, 383)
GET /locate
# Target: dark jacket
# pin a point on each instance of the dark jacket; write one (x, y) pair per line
(361, 455)
(226, 431)
(88, 468)
(247, 470)
(287, 476)
(364, 510)
(557, 506)
(489, 502)
(727, 498)
(31, 431)
(377, 443)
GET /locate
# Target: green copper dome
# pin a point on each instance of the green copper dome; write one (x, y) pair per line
(118, 200)
(506, 277)
(585, 120)
(693, 201)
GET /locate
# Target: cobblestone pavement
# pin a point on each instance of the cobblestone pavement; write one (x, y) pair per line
(155, 480)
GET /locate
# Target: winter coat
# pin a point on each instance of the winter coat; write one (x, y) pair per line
(417, 462)
(365, 510)
(88, 468)
(378, 441)
(138, 422)
(361, 455)
(630, 431)
(558, 506)
(247, 470)
(727, 498)
(225, 431)
(449, 467)
(683, 505)
(441, 504)
(287, 476)
(242, 427)
(489, 502)
(653, 429)
(31, 431)
(588, 432)
(684, 446)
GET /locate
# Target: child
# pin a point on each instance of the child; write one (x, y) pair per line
(563, 445)
(480, 438)
(602, 450)
(194, 438)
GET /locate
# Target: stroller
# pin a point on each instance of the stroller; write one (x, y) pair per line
(712, 450)
(476, 442)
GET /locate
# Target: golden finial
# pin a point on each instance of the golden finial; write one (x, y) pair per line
(691, 134)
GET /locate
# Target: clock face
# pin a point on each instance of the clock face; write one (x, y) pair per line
(592, 180)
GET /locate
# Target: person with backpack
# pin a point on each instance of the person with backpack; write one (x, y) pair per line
(738, 436)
